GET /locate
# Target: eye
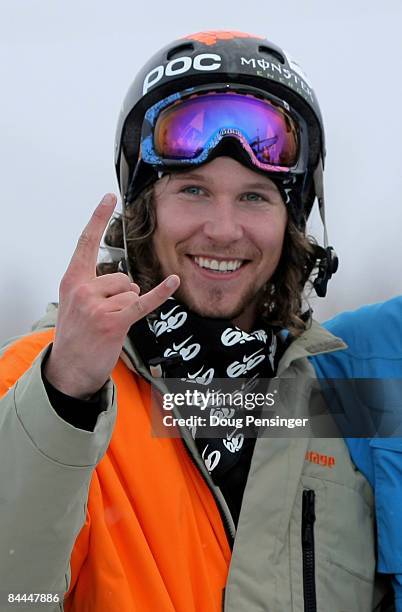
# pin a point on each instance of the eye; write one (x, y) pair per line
(253, 197)
(194, 190)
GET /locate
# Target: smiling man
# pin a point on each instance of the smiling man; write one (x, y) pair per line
(221, 228)
(219, 158)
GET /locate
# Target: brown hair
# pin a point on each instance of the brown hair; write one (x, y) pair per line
(281, 300)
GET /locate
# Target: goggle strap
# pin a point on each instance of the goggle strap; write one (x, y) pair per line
(126, 264)
(318, 178)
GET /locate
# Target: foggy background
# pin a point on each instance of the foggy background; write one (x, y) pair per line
(65, 68)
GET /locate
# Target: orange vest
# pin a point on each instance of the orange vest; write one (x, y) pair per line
(153, 540)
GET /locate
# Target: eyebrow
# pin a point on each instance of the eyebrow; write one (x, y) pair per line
(199, 177)
(270, 186)
(187, 176)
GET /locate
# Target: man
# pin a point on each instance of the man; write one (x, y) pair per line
(219, 155)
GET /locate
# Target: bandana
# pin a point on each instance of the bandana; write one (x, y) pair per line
(197, 350)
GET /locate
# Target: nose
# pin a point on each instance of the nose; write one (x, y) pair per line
(223, 224)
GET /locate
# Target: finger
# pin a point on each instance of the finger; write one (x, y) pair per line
(119, 302)
(149, 301)
(110, 284)
(83, 262)
(136, 288)
(159, 294)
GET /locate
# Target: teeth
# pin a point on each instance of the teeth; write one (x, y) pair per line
(221, 266)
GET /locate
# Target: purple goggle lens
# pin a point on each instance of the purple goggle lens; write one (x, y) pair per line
(189, 128)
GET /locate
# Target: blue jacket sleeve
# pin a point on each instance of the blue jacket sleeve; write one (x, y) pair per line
(374, 337)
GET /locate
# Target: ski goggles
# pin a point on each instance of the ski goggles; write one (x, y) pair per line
(184, 128)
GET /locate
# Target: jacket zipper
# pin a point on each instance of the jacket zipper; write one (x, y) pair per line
(307, 535)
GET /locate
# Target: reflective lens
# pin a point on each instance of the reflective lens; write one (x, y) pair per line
(187, 128)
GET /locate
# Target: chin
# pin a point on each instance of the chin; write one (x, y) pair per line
(216, 306)
(214, 313)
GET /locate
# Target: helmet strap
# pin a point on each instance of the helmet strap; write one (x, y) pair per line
(326, 257)
(318, 178)
(124, 264)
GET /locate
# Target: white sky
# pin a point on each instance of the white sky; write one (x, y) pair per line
(64, 70)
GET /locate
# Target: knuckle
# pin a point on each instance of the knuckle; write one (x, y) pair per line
(116, 282)
(138, 306)
(85, 239)
(121, 276)
(98, 312)
(82, 293)
(125, 299)
(122, 280)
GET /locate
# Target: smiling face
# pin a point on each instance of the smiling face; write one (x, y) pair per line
(220, 227)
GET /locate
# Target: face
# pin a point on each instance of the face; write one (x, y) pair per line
(220, 227)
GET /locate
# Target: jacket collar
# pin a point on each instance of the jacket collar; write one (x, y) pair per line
(314, 341)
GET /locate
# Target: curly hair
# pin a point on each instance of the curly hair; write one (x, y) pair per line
(280, 303)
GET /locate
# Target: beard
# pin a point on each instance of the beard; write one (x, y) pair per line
(214, 304)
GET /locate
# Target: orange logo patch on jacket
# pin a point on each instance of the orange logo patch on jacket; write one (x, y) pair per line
(212, 36)
(320, 459)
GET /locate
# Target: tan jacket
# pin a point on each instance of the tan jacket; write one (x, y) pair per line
(305, 540)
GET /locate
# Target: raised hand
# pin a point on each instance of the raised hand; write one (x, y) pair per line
(95, 313)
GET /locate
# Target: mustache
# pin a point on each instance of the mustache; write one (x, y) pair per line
(210, 251)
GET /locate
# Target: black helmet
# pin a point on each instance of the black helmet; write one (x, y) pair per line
(218, 58)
